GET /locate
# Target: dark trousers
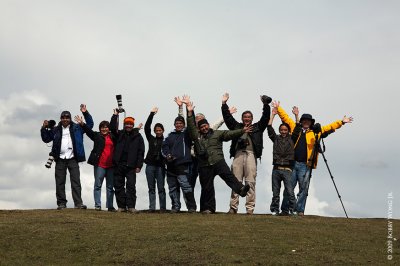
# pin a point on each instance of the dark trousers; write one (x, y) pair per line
(193, 172)
(207, 175)
(61, 175)
(284, 176)
(125, 196)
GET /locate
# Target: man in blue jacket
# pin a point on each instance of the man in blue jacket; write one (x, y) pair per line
(68, 151)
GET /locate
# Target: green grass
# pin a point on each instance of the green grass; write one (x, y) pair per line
(88, 237)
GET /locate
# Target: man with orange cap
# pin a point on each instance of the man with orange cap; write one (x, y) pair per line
(128, 160)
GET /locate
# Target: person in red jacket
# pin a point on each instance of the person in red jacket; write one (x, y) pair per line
(101, 158)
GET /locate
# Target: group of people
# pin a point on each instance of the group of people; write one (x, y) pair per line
(193, 149)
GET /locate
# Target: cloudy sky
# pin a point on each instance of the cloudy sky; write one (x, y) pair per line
(330, 58)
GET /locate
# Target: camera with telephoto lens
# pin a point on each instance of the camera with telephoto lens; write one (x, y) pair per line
(49, 161)
(51, 124)
(120, 109)
(242, 143)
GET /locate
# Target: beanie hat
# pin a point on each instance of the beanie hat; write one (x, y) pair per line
(129, 120)
(202, 122)
(180, 119)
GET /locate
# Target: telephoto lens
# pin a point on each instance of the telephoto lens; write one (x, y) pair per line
(49, 162)
(119, 101)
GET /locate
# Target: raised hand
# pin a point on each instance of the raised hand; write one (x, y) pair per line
(154, 110)
(347, 119)
(45, 123)
(78, 119)
(225, 97)
(276, 104)
(83, 108)
(178, 101)
(248, 129)
(232, 110)
(140, 126)
(185, 99)
(115, 112)
(274, 111)
(295, 110)
(190, 106)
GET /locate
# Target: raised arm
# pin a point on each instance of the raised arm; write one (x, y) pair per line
(295, 111)
(230, 121)
(285, 117)
(263, 122)
(193, 131)
(114, 123)
(147, 125)
(87, 116)
(46, 134)
(89, 132)
(337, 124)
(270, 129)
(179, 102)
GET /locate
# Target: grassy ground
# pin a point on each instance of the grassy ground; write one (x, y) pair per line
(88, 237)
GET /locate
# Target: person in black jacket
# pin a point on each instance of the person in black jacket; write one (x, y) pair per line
(101, 159)
(245, 150)
(283, 161)
(128, 160)
(176, 151)
(155, 166)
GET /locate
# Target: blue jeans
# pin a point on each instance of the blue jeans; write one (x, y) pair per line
(99, 174)
(300, 174)
(174, 183)
(284, 176)
(156, 174)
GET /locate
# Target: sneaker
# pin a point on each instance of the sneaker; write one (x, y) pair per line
(206, 212)
(244, 190)
(132, 210)
(284, 214)
(232, 211)
(111, 209)
(300, 213)
(82, 207)
(274, 213)
(97, 208)
(61, 206)
(249, 212)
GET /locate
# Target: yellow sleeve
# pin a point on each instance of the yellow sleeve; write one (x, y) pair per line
(332, 126)
(286, 118)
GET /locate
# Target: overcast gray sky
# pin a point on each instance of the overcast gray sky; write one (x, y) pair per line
(330, 58)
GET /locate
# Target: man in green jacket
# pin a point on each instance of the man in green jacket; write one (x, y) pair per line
(208, 149)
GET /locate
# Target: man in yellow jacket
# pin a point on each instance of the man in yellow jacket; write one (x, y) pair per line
(303, 149)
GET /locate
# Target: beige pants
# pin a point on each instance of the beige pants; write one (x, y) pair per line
(244, 166)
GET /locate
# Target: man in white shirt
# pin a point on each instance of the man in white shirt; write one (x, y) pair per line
(68, 151)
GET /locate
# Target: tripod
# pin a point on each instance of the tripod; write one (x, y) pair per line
(318, 149)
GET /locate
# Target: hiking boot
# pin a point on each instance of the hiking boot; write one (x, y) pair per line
(81, 206)
(250, 212)
(61, 206)
(112, 209)
(232, 211)
(121, 210)
(192, 211)
(132, 210)
(207, 212)
(243, 191)
(284, 214)
(97, 208)
(300, 213)
(173, 211)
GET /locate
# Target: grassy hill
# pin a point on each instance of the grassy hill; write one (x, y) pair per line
(89, 237)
